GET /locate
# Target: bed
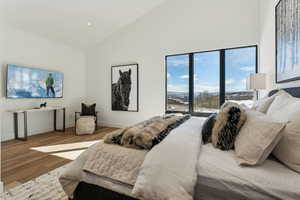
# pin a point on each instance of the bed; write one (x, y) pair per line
(218, 177)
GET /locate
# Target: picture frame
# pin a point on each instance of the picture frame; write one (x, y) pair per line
(287, 36)
(125, 87)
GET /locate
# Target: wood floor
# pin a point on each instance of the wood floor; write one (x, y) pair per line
(23, 161)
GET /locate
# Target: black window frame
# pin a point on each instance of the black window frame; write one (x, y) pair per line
(191, 66)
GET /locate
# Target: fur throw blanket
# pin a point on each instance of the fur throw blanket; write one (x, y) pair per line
(146, 134)
(227, 125)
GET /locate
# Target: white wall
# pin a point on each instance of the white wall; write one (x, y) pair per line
(174, 27)
(267, 44)
(19, 47)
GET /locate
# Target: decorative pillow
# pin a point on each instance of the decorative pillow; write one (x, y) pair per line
(88, 110)
(257, 138)
(227, 126)
(262, 105)
(286, 108)
(207, 128)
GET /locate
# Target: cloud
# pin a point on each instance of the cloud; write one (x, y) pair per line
(187, 76)
(168, 75)
(238, 86)
(178, 62)
(248, 68)
(184, 76)
(230, 81)
(197, 88)
(205, 87)
(178, 88)
(195, 77)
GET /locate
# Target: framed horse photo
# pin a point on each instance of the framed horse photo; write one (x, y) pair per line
(125, 88)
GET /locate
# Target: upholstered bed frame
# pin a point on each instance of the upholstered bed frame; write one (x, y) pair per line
(89, 191)
(294, 91)
(86, 191)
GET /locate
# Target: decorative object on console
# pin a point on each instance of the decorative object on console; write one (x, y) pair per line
(287, 41)
(256, 82)
(43, 105)
(89, 113)
(124, 88)
(228, 123)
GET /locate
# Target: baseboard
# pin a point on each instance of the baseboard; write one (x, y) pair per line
(108, 124)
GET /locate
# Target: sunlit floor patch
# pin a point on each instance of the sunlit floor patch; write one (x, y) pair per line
(70, 155)
(65, 147)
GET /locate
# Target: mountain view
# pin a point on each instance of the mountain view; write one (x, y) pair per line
(205, 101)
(239, 63)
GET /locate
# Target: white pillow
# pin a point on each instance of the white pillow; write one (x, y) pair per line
(262, 105)
(286, 108)
(257, 138)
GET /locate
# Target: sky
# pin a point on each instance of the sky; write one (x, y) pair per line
(239, 63)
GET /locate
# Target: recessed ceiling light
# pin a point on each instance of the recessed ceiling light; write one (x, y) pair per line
(89, 24)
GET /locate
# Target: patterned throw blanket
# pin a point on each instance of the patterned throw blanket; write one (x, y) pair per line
(115, 163)
(147, 134)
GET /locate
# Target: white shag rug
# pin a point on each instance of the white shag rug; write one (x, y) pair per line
(45, 187)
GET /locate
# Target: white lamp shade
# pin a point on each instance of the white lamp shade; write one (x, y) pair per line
(256, 81)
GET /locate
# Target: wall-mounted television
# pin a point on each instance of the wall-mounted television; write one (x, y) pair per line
(26, 82)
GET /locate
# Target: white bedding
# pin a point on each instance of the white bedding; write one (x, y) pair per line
(220, 177)
(169, 170)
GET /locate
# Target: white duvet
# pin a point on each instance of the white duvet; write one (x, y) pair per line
(169, 170)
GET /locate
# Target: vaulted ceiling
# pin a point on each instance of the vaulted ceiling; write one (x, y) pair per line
(80, 23)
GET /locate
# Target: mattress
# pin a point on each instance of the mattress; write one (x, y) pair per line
(220, 177)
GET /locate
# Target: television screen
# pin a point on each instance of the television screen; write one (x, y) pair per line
(25, 82)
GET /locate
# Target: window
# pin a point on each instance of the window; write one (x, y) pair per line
(178, 83)
(207, 82)
(199, 83)
(239, 63)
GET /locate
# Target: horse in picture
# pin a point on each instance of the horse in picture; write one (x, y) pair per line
(121, 91)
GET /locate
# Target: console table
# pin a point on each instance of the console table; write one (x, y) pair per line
(26, 111)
